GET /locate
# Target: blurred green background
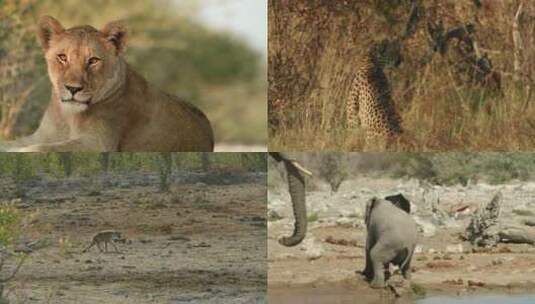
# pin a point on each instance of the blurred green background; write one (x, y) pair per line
(216, 69)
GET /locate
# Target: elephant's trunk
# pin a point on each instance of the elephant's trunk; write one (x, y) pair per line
(296, 185)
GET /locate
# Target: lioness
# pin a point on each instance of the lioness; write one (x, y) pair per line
(100, 104)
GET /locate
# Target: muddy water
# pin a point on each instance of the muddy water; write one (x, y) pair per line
(489, 299)
(347, 296)
(328, 295)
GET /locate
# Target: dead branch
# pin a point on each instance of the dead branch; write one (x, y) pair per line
(517, 234)
(517, 43)
(482, 228)
(486, 230)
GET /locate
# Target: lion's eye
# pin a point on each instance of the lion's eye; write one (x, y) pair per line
(93, 60)
(62, 58)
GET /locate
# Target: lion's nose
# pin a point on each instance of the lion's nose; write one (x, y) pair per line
(73, 90)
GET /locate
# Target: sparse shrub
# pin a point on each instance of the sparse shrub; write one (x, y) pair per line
(10, 218)
(65, 246)
(312, 217)
(418, 290)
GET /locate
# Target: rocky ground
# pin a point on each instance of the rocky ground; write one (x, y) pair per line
(444, 263)
(198, 243)
(231, 147)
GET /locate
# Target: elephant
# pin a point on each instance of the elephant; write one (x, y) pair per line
(391, 239)
(296, 186)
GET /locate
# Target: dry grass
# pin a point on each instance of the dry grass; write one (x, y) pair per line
(314, 47)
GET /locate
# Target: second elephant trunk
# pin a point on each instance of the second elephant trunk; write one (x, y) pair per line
(296, 185)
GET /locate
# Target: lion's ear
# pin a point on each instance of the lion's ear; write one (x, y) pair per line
(48, 27)
(115, 33)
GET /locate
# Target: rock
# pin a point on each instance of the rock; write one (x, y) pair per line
(422, 258)
(475, 283)
(273, 215)
(439, 264)
(427, 228)
(342, 242)
(92, 268)
(23, 248)
(313, 250)
(504, 249)
(459, 281)
(179, 238)
(347, 222)
(201, 245)
(457, 248)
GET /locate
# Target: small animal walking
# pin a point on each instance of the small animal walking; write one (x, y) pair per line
(370, 103)
(105, 236)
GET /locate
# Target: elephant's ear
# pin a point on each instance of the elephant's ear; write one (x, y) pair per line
(369, 208)
(400, 201)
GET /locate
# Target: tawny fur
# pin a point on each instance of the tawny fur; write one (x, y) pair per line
(117, 109)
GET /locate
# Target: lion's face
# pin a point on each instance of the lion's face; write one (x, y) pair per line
(83, 63)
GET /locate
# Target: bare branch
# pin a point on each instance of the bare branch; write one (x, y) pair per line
(517, 43)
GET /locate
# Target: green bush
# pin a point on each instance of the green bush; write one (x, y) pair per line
(9, 223)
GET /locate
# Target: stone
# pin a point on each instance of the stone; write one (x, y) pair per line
(457, 248)
(313, 249)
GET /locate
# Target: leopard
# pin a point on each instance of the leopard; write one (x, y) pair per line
(370, 105)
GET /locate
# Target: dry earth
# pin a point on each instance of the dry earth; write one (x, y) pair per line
(230, 147)
(199, 243)
(333, 250)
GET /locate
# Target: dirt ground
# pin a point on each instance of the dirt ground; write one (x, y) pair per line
(230, 147)
(196, 244)
(333, 251)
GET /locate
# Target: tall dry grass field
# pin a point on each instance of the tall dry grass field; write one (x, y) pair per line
(444, 104)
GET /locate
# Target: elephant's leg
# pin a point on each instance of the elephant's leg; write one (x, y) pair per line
(378, 274)
(387, 271)
(379, 254)
(368, 270)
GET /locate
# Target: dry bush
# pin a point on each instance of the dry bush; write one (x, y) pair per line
(314, 46)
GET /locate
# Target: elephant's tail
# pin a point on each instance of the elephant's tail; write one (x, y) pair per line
(407, 258)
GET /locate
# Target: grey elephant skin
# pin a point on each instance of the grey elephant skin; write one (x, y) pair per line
(296, 187)
(391, 239)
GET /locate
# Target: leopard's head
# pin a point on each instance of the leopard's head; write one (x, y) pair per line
(387, 53)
